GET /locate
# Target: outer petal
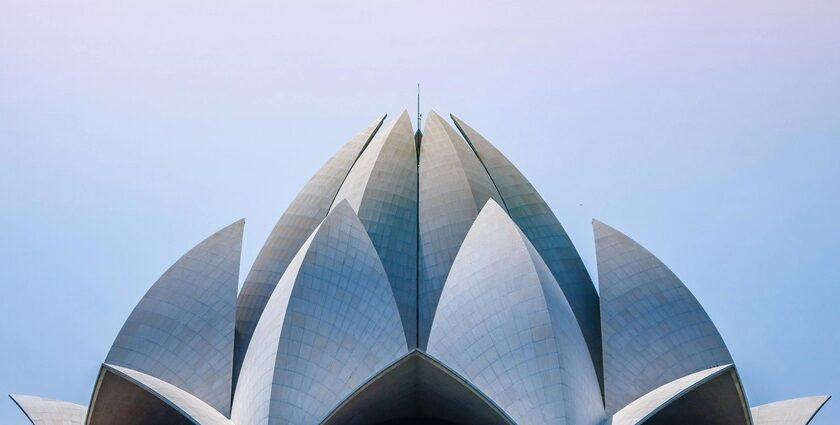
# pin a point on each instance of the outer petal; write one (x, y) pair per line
(654, 329)
(797, 411)
(530, 212)
(182, 329)
(720, 401)
(127, 397)
(304, 214)
(504, 325)
(44, 411)
(382, 189)
(454, 186)
(711, 396)
(331, 324)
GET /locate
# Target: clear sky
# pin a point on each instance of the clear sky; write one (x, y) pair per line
(708, 131)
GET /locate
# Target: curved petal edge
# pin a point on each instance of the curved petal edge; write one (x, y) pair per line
(504, 324)
(181, 331)
(45, 411)
(797, 411)
(415, 386)
(453, 187)
(532, 214)
(654, 330)
(129, 397)
(300, 219)
(382, 189)
(646, 406)
(330, 325)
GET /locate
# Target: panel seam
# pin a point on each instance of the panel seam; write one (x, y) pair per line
(486, 170)
(359, 155)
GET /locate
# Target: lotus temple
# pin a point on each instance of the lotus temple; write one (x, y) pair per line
(418, 278)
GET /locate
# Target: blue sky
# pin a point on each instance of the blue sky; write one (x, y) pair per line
(709, 132)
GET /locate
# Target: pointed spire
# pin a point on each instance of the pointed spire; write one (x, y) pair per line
(418, 108)
(418, 135)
